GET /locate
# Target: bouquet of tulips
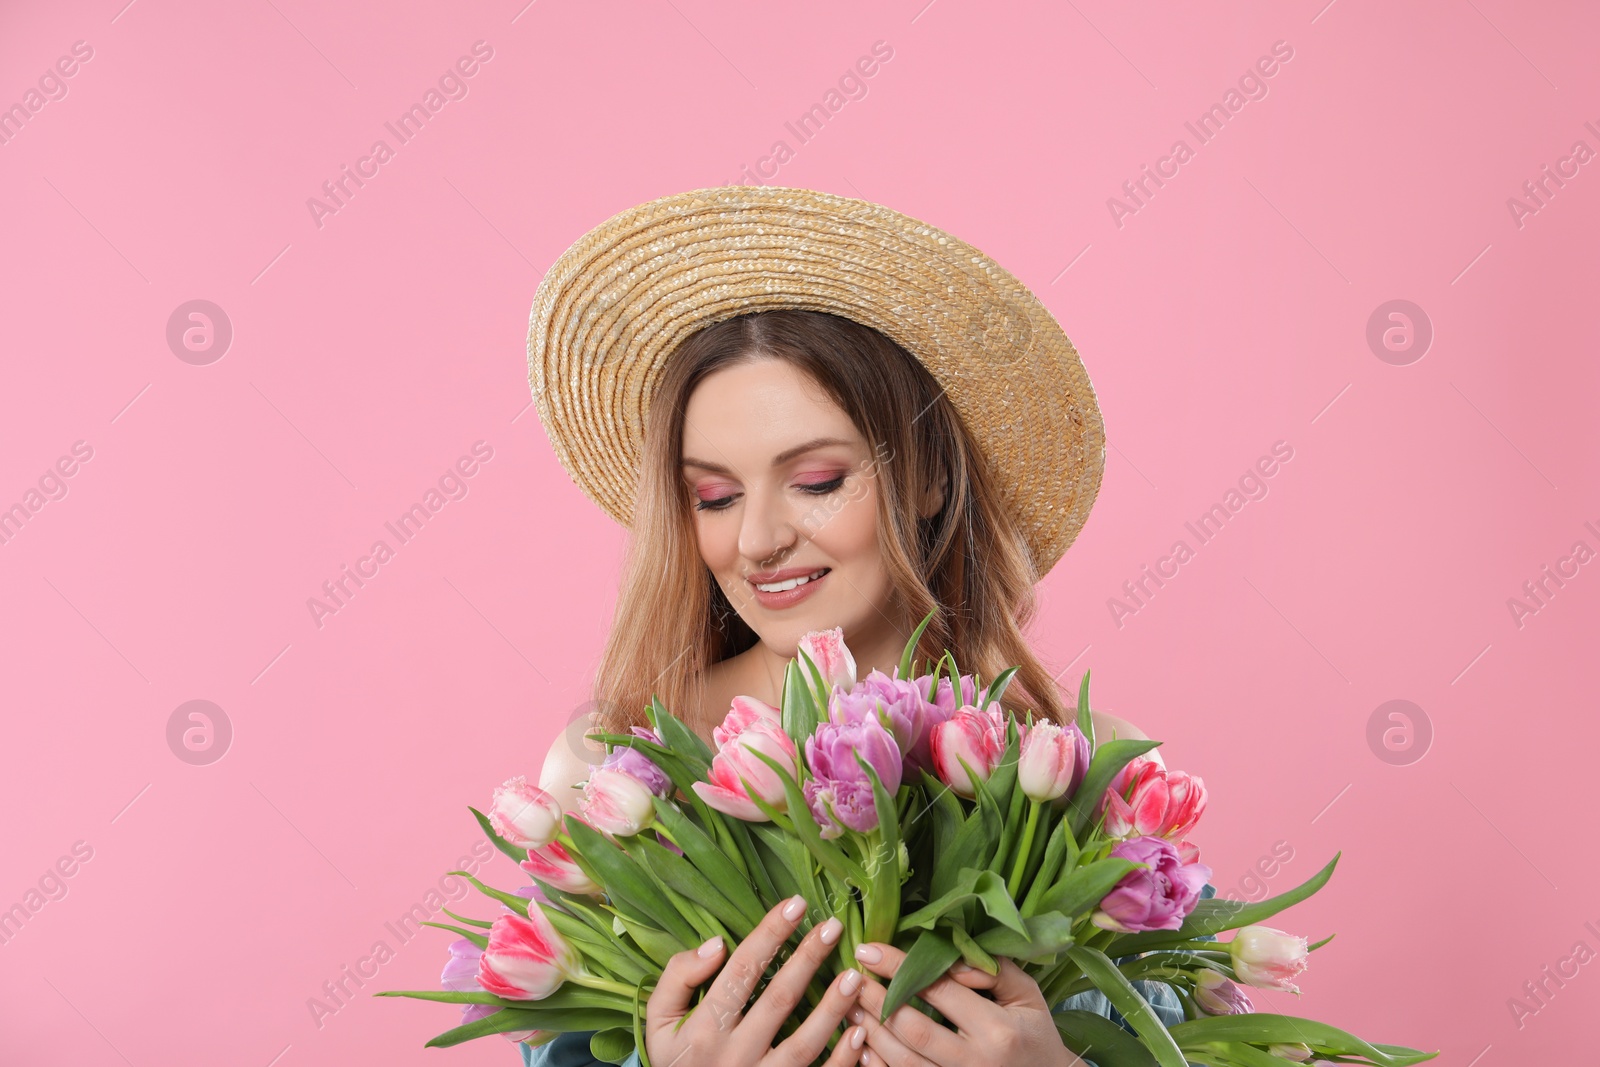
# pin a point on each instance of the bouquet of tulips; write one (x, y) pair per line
(921, 814)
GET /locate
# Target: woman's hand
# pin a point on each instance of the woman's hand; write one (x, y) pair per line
(1015, 1028)
(719, 1031)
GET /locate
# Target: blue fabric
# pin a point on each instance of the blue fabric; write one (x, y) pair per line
(572, 1049)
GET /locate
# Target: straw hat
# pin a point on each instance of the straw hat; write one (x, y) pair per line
(616, 304)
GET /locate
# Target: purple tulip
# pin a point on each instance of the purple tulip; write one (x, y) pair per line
(638, 765)
(831, 753)
(1158, 896)
(898, 707)
(944, 699)
(1214, 994)
(839, 792)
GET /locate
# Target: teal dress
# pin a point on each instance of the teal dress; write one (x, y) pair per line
(572, 1049)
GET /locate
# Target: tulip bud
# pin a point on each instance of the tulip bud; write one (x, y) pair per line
(1268, 958)
(553, 865)
(831, 655)
(1297, 1052)
(460, 975)
(1047, 761)
(526, 958)
(1216, 995)
(525, 815)
(617, 803)
(969, 737)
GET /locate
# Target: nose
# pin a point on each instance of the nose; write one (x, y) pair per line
(766, 531)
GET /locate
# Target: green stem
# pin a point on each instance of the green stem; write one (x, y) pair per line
(605, 985)
(1023, 848)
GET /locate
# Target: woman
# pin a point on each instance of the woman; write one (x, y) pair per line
(855, 419)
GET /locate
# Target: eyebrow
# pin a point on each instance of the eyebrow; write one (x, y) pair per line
(777, 461)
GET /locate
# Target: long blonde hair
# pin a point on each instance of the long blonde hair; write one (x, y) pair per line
(673, 620)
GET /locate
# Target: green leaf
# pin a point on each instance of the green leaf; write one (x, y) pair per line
(972, 953)
(613, 1045)
(820, 690)
(659, 945)
(1129, 1003)
(1107, 760)
(471, 935)
(684, 878)
(929, 958)
(605, 951)
(508, 1019)
(1092, 1035)
(703, 921)
(1083, 888)
(1050, 867)
(928, 916)
(882, 906)
(679, 739)
(709, 859)
(1214, 916)
(518, 854)
(798, 714)
(1046, 935)
(626, 884)
(480, 923)
(973, 844)
(997, 687)
(1265, 1028)
(510, 900)
(911, 647)
(568, 996)
(449, 996)
(1085, 716)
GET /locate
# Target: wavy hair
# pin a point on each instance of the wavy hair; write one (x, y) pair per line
(970, 560)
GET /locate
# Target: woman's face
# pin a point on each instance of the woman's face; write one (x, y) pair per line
(765, 502)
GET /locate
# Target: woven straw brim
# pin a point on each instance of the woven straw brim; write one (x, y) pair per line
(617, 303)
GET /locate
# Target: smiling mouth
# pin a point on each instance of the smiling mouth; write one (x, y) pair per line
(792, 583)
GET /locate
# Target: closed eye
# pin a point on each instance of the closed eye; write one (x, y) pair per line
(722, 503)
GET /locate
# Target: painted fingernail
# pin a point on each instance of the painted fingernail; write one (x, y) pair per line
(866, 1057)
(868, 953)
(794, 909)
(830, 931)
(711, 947)
(850, 982)
(858, 1037)
(855, 1015)
(960, 968)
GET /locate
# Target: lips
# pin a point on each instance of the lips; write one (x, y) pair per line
(794, 577)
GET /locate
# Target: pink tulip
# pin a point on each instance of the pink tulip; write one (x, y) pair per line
(971, 737)
(831, 655)
(1158, 895)
(461, 975)
(751, 726)
(1048, 761)
(554, 865)
(617, 803)
(524, 814)
(1147, 800)
(526, 958)
(1268, 958)
(1216, 995)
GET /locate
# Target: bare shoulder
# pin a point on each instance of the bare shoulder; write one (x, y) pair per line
(568, 763)
(1108, 727)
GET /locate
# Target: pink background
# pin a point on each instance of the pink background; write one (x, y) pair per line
(1229, 312)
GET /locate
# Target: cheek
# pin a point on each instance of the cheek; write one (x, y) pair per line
(851, 535)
